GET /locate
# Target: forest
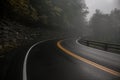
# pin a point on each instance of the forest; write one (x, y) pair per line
(25, 22)
(105, 27)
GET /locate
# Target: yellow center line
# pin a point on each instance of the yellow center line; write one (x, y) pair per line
(113, 72)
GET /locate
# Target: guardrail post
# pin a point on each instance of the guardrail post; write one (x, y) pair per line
(87, 42)
(105, 47)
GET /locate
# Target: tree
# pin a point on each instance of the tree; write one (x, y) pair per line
(106, 27)
(63, 13)
(115, 24)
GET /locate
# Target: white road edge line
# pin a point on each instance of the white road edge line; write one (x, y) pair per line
(77, 42)
(25, 60)
(88, 61)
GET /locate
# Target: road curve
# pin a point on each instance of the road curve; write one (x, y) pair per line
(69, 60)
(113, 72)
(62, 60)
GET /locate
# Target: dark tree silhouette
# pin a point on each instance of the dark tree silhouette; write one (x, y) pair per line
(106, 27)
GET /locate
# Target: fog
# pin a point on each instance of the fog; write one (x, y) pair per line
(104, 5)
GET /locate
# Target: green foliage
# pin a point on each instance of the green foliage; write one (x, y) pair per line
(62, 13)
(57, 13)
(61, 16)
(23, 7)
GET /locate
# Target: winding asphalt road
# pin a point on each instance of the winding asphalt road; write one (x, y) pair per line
(69, 60)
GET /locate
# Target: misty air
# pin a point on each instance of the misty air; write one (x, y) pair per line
(59, 40)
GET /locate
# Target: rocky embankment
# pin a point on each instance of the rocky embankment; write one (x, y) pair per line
(13, 35)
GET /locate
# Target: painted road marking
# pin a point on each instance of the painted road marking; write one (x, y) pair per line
(113, 72)
(26, 57)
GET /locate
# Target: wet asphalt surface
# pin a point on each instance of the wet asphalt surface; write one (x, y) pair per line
(47, 62)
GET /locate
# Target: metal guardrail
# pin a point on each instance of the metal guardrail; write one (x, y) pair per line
(104, 45)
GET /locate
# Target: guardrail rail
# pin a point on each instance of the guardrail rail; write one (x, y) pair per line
(104, 45)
